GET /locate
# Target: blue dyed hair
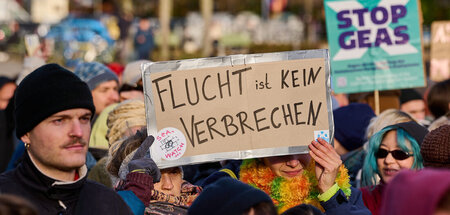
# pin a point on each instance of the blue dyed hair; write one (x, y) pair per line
(370, 168)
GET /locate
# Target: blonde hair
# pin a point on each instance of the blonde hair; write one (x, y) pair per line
(386, 118)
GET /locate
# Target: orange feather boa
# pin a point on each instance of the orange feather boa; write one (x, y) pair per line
(287, 193)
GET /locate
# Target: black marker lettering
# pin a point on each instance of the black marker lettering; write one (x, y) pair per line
(210, 127)
(160, 91)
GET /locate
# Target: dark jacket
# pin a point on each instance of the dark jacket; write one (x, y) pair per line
(339, 204)
(54, 197)
(353, 161)
(6, 141)
(231, 169)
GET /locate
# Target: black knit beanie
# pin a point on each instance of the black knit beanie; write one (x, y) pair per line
(46, 91)
(409, 95)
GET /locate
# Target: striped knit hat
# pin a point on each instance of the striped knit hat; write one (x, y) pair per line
(94, 73)
(127, 115)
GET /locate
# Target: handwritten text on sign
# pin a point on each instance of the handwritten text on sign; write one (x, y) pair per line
(244, 107)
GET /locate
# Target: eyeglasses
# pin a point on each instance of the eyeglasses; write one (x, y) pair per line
(397, 154)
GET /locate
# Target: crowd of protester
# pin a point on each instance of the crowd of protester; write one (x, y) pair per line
(74, 141)
(377, 165)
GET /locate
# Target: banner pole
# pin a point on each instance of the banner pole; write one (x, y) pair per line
(377, 102)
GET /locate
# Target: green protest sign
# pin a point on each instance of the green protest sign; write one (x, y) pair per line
(374, 45)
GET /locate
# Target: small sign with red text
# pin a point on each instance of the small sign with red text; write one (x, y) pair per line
(171, 143)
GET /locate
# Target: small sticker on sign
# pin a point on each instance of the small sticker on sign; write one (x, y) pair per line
(342, 82)
(170, 144)
(324, 134)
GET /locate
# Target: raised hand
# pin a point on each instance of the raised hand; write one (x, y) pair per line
(142, 162)
(328, 162)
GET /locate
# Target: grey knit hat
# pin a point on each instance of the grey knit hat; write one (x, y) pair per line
(94, 73)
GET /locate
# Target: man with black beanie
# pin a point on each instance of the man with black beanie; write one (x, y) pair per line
(53, 108)
(411, 102)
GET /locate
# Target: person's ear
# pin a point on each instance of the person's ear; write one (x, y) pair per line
(26, 138)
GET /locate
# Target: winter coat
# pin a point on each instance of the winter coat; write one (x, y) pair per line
(50, 196)
(99, 174)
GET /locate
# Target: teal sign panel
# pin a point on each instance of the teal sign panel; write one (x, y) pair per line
(374, 45)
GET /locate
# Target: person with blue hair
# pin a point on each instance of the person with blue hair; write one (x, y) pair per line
(392, 149)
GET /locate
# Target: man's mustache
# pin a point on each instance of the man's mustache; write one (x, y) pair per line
(76, 140)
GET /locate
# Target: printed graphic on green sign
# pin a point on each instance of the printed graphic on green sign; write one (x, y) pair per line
(374, 45)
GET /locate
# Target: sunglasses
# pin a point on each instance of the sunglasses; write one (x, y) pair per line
(397, 154)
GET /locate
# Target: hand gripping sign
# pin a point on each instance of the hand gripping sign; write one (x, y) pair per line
(236, 107)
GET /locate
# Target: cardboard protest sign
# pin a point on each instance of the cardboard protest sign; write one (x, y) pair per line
(440, 51)
(237, 107)
(374, 45)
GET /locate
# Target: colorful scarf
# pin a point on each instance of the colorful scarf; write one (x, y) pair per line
(188, 194)
(165, 204)
(287, 193)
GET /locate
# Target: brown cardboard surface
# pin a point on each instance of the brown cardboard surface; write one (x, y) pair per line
(440, 51)
(243, 105)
